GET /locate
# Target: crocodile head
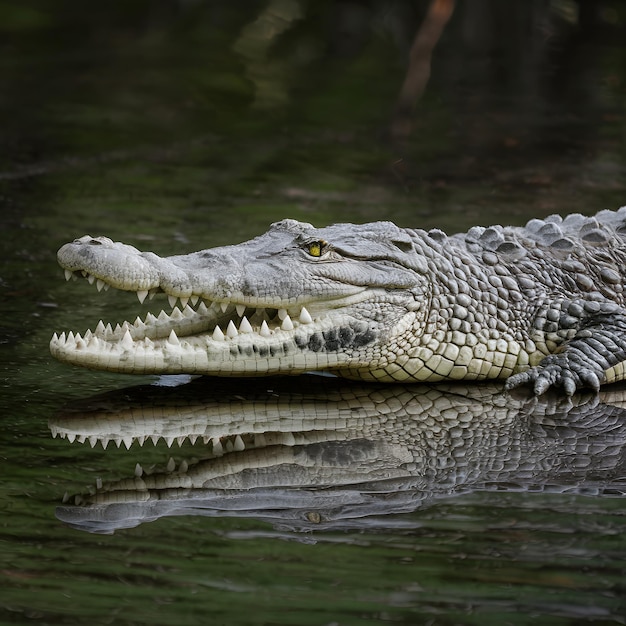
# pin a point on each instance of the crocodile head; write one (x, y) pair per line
(295, 299)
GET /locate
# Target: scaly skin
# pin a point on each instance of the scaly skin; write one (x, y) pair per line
(542, 304)
(322, 452)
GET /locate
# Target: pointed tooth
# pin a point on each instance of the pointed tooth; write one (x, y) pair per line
(55, 338)
(183, 302)
(218, 450)
(183, 467)
(99, 284)
(305, 317)
(245, 327)
(171, 465)
(218, 335)
(152, 293)
(202, 309)
(169, 441)
(155, 439)
(142, 294)
(287, 324)
(128, 441)
(176, 314)
(163, 317)
(62, 338)
(223, 306)
(88, 335)
(241, 309)
(265, 331)
(141, 440)
(104, 442)
(127, 340)
(93, 440)
(70, 337)
(181, 440)
(139, 323)
(91, 279)
(68, 274)
(99, 328)
(194, 300)
(282, 314)
(138, 471)
(173, 339)
(231, 331)
(188, 311)
(239, 444)
(172, 300)
(150, 319)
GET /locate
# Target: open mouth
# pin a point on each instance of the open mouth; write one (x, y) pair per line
(198, 331)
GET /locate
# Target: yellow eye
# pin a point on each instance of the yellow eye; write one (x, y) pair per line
(316, 248)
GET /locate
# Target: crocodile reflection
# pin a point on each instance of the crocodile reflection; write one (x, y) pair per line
(321, 453)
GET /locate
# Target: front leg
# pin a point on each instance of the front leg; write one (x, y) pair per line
(599, 344)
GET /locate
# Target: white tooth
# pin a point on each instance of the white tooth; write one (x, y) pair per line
(305, 317)
(163, 317)
(84, 273)
(173, 339)
(140, 440)
(287, 324)
(108, 330)
(150, 319)
(245, 327)
(282, 314)
(188, 311)
(88, 336)
(55, 338)
(172, 300)
(171, 465)
(183, 467)
(181, 440)
(168, 441)
(194, 300)
(152, 293)
(223, 306)
(176, 314)
(142, 294)
(231, 331)
(202, 309)
(93, 440)
(241, 309)
(70, 336)
(91, 279)
(62, 338)
(239, 444)
(99, 328)
(104, 443)
(218, 335)
(128, 441)
(127, 341)
(118, 329)
(183, 302)
(138, 471)
(68, 274)
(138, 323)
(155, 439)
(218, 450)
(106, 286)
(265, 331)
(99, 284)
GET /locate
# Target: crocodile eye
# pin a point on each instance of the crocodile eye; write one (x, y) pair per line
(316, 248)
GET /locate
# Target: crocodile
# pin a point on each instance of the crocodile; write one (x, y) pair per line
(319, 453)
(539, 305)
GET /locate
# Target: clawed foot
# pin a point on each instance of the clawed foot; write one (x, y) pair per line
(555, 371)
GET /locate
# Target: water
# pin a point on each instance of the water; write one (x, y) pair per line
(179, 126)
